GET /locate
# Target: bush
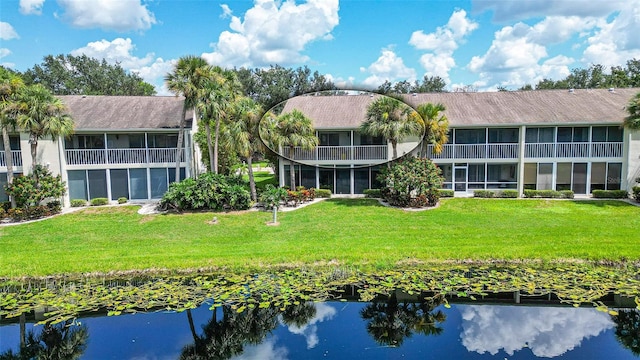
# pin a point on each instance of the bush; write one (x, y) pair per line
(99, 201)
(272, 196)
(411, 182)
(122, 200)
(54, 206)
(636, 193)
(446, 193)
(323, 193)
(610, 194)
(31, 190)
(208, 192)
(78, 202)
(372, 193)
(508, 194)
(564, 194)
(483, 194)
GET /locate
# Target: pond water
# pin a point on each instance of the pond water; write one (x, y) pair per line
(389, 329)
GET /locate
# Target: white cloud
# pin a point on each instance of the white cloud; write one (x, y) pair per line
(4, 52)
(121, 15)
(547, 331)
(120, 51)
(389, 66)
(442, 43)
(266, 350)
(340, 82)
(31, 7)
(7, 32)
(273, 32)
(310, 329)
(524, 9)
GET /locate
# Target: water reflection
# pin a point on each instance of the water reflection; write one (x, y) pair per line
(391, 327)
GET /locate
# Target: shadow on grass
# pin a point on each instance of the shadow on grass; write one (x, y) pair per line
(603, 203)
(354, 202)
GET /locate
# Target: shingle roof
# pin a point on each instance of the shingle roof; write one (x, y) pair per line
(538, 107)
(125, 112)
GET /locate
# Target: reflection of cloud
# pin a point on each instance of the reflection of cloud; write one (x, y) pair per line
(265, 351)
(310, 329)
(548, 331)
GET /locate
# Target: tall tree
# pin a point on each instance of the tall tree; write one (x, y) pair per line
(185, 80)
(435, 127)
(83, 75)
(391, 119)
(219, 89)
(243, 129)
(291, 130)
(10, 85)
(41, 115)
(632, 121)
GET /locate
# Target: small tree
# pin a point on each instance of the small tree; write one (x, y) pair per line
(30, 191)
(411, 182)
(632, 122)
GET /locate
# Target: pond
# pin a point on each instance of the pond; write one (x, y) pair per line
(387, 329)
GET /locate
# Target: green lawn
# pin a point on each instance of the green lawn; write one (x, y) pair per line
(349, 232)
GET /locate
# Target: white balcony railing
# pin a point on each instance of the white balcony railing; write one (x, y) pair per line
(121, 156)
(337, 153)
(476, 151)
(573, 150)
(16, 156)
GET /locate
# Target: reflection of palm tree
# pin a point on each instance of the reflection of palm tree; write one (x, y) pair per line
(391, 322)
(299, 315)
(628, 329)
(55, 342)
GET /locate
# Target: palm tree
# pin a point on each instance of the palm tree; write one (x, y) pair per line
(632, 122)
(291, 130)
(185, 81)
(219, 90)
(435, 127)
(41, 114)
(243, 131)
(391, 119)
(10, 85)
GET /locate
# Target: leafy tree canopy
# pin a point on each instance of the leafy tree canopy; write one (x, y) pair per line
(82, 75)
(595, 77)
(427, 85)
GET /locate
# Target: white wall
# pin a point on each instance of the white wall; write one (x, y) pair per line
(633, 167)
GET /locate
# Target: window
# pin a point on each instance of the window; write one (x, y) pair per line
(360, 180)
(119, 183)
(162, 141)
(614, 175)
(138, 181)
(77, 182)
(563, 176)
(573, 134)
(329, 139)
(85, 142)
(470, 136)
(564, 134)
(606, 134)
(158, 182)
(539, 135)
(502, 136)
(97, 183)
(14, 142)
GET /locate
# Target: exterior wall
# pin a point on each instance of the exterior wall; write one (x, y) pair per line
(633, 157)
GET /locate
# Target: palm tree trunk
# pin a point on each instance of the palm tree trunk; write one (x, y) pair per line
(33, 140)
(180, 141)
(215, 147)
(252, 181)
(8, 161)
(394, 144)
(292, 169)
(191, 326)
(207, 127)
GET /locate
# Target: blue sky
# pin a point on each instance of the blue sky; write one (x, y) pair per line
(358, 43)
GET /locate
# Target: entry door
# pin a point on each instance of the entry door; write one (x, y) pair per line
(460, 179)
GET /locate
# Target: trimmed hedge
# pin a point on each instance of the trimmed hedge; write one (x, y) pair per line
(446, 193)
(636, 193)
(99, 201)
(323, 193)
(483, 193)
(507, 194)
(122, 200)
(78, 202)
(372, 193)
(610, 194)
(551, 194)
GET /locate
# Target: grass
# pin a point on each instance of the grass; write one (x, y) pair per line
(348, 232)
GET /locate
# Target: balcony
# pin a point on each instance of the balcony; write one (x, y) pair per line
(475, 151)
(573, 150)
(121, 156)
(16, 156)
(340, 153)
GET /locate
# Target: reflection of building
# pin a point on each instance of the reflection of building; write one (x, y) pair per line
(555, 139)
(123, 146)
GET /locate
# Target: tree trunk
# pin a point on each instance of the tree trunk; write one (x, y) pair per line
(191, 326)
(252, 181)
(215, 146)
(207, 127)
(8, 161)
(33, 140)
(23, 329)
(394, 144)
(292, 170)
(180, 141)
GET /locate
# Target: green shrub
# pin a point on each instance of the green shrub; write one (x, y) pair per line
(272, 196)
(411, 182)
(323, 193)
(3, 213)
(208, 192)
(483, 193)
(510, 194)
(566, 194)
(552, 194)
(444, 193)
(122, 200)
(54, 206)
(372, 193)
(78, 202)
(610, 194)
(99, 201)
(636, 193)
(31, 190)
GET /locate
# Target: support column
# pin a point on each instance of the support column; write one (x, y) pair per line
(521, 153)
